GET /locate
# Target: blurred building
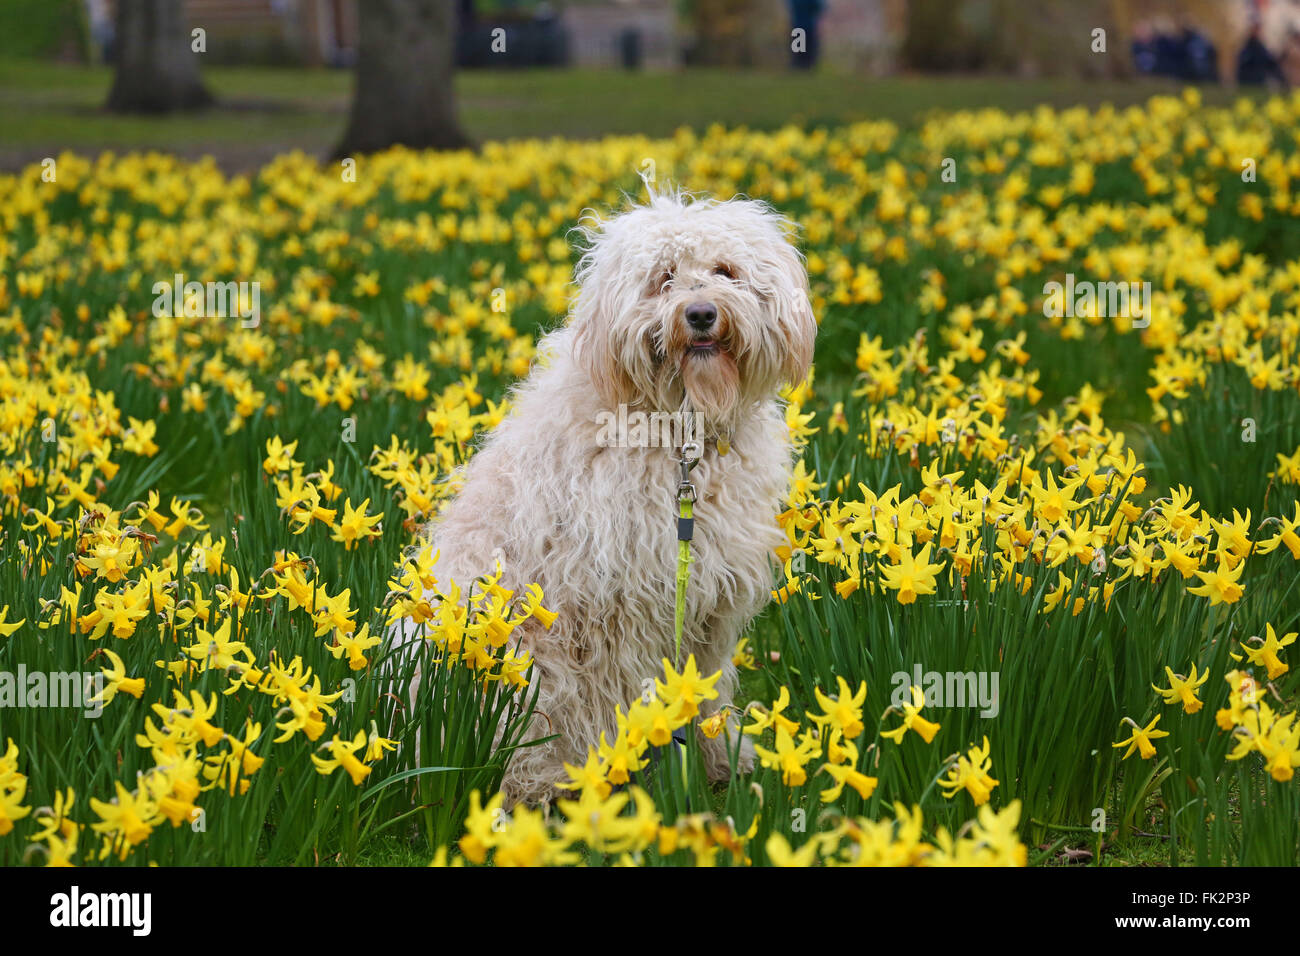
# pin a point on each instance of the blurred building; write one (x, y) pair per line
(864, 36)
(1030, 37)
(327, 30)
(324, 32)
(622, 32)
(313, 32)
(857, 35)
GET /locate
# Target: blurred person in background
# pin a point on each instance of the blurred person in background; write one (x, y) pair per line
(804, 15)
(1144, 49)
(1200, 58)
(1256, 66)
(1171, 51)
(102, 29)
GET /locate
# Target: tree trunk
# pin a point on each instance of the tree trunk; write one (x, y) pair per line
(157, 71)
(403, 94)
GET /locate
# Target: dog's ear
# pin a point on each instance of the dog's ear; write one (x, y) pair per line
(595, 348)
(597, 355)
(794, 319)
(603, 299)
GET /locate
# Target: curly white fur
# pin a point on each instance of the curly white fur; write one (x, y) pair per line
(595, 526)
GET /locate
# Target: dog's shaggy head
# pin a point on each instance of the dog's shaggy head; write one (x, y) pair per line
(696, 297)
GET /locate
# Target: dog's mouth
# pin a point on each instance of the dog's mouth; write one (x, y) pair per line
(703, 347)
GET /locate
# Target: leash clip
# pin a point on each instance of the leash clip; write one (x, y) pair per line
(690, 457)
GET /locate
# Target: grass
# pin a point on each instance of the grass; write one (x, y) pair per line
(48, 107)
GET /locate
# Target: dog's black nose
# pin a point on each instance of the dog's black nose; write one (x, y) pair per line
(701, 315)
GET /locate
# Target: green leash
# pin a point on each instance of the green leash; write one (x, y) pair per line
(690, 457)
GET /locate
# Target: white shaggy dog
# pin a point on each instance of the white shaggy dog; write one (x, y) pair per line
(701, 300)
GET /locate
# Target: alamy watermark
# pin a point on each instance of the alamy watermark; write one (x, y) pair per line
(55, 689)
(214, 300)
(127, 910)
(948, 689)
(1125, 300)
(637, 429)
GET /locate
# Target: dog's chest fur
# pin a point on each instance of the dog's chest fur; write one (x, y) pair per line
(596, 526)
(737, 496)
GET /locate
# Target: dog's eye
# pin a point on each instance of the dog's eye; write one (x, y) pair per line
(724, 270)
(661, 283)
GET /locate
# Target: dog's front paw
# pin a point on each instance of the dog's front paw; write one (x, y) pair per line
(718, 753)
(745, 760)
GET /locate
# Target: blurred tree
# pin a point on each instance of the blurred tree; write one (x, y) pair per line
(1047, 37)
(720, 28)
(157, 70)
(403, 93)
(941, 36)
